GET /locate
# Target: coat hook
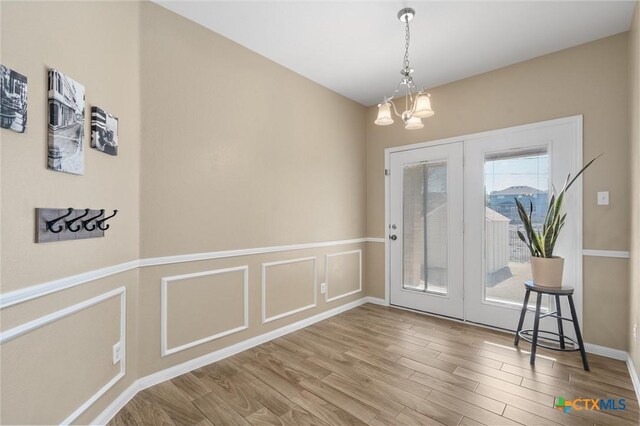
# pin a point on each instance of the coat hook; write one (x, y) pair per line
(85, 223)
(72, 221)
(53, 222)
(101, 221)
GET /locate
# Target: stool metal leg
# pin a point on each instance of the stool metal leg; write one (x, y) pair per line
(574, 317)
(560, 328)
(522, 315)
(536, 325)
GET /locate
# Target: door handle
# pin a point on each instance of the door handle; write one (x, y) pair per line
(393, 237)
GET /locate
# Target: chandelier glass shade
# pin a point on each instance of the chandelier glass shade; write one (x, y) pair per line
(417, 103)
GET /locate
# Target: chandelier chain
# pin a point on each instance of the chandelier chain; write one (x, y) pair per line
(407, 39)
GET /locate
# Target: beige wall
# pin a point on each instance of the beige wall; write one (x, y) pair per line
(291, 170)
(72, 356)
(262, 157)
(590, 79)
(78, 39)
(70, 359)
(65, 360)
(634, 137)
(193, 175)
(297, 280)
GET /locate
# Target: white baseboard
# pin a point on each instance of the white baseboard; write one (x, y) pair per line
(376, 301)
(177, 370)
(634, 376)
(605, 351)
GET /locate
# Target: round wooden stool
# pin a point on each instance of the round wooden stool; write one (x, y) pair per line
(531, 335)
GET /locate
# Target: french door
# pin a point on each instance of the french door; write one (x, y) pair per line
(453, 244)
(426, 229)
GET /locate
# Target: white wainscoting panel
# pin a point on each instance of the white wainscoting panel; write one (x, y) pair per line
(265, 266)
(166, 281)
(326, 274)
(20, 330)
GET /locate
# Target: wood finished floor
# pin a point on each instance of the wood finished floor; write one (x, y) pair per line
(382, 366)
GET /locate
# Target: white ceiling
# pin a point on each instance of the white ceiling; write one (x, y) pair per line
(355, 48)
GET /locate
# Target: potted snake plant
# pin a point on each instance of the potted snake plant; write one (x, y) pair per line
(546, 268)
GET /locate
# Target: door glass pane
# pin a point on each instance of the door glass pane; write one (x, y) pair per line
(515, 174)
(425, 230)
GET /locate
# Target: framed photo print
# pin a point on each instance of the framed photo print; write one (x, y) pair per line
(66, 124)
(13, 100)
(104, 131)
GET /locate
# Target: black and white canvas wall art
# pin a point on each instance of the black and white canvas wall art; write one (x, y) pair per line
(104, 131)
(13, 100)
(66, 124)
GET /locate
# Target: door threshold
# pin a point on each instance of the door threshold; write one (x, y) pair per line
(458, 320)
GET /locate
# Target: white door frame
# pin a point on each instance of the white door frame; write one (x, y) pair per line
(576, 120)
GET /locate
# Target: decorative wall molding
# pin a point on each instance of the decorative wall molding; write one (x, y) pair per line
(326, 275)
(18, 296)
(33, 292)
(375, 240)
(265, 266)
(606, 253)
(171, 372)
(23, 329)
(244, 252)
(164, 296)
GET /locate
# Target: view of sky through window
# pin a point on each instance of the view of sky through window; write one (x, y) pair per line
(531, 170)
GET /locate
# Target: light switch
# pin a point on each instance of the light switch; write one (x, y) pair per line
(603, 198)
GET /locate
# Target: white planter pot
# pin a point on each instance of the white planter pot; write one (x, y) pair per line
(547, 272)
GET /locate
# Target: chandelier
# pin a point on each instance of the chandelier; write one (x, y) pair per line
(417, 103)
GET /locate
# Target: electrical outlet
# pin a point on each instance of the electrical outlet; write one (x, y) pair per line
(323, 288)
(117, 353)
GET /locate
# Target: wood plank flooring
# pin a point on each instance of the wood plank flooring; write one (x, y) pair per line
(383, 366)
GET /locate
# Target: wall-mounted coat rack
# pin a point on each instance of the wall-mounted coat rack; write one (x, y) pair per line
(70, 224)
